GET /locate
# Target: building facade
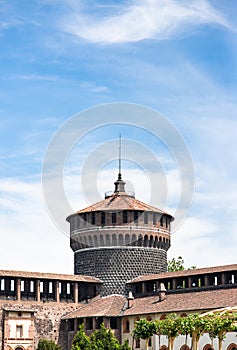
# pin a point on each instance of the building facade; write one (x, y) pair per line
(120, 261)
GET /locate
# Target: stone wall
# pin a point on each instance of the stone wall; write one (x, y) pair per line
(115, 266)
(47, 318)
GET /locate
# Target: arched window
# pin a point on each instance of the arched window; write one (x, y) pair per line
(114, 240)
(208, 347)
(126, 325)
(183, 314)
(232, 346)
(185, 347)
(145, 241)
(136, 319)
(163, 317)
(127, 240)
(163, 347)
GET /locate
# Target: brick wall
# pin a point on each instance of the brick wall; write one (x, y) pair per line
(47, 318)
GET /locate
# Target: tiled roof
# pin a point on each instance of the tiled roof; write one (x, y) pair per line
(115, 305)
(184, 273)
(52, 276)
(118, 201)
(181, 302)
(111, 305)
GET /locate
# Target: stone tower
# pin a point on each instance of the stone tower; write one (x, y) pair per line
(119, 238)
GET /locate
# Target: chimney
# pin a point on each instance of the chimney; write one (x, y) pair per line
(129, 299)
(161, 292)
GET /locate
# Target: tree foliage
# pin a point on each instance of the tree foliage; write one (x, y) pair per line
(45, 344)
(178, 265)
(81, 341)
(102, 339)
(144, 330)
(217, 325)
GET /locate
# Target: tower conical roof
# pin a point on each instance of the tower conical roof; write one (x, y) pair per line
(121, 200)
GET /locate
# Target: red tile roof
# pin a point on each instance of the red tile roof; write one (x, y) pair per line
(194, 301)
(115, 305)
(184, 273)
(111, 305)
(118, 201)
(51, 276)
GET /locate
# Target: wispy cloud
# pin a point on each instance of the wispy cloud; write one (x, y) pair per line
(147, 19)
(35, 77)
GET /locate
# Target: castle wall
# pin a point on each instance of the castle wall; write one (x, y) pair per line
(43, 322)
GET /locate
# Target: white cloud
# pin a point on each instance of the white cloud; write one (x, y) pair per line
(202, 242)
(146, 19)
(35, 77)
(29, 240)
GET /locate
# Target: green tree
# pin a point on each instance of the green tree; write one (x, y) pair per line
(198, 325)
(81, 341)
(170, 327)
(104, 339)
(219, 325)
(144, 330)
(45, 344)
(125, 346)
(178, 265)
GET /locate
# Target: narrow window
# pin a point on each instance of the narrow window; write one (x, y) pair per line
(93, 218)
(41, 286)
(60, 287)
(154, 218)
(32, 286)
(22, 286)
(50, 287)
(2, 284)
(114, 218)
(89, 323)
(162, 220)
(126, 326)
(113, 322)
(145, 217)
(125, 217)
(138, 343)
(98, 322)
(102, 218)
(84, 219)
(136, 217)
(71, 324)
(12, 286)
(19, 331)
(68, 288)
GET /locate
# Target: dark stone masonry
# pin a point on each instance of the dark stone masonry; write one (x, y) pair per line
(116, 266)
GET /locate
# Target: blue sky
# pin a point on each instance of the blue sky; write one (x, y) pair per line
(58, 58)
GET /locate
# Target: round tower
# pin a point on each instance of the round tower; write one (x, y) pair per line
(119, 238)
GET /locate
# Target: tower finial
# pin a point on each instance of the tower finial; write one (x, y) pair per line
(119, 184)
(119, 174)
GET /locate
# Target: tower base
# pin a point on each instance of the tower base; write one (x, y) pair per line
(117, 265)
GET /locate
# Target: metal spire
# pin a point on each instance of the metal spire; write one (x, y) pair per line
(119, 174)
(119, 184)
